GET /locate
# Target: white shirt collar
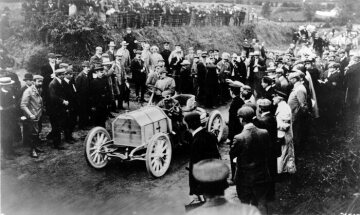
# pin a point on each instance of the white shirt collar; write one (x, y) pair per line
(197, 130)
(267, 88)
(66, 80)
(263, 114)
(59, 80)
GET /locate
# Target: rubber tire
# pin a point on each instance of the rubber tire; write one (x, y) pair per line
(149, 169)
(212, 116)
(87, 142)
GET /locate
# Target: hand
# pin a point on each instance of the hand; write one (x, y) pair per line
(52, 76)
(66, 103)
(32, 117)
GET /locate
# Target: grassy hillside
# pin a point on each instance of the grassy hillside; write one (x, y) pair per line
(275, 35)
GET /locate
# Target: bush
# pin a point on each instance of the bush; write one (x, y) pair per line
(36, 61)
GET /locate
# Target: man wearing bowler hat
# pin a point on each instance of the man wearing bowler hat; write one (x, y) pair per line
(32, 106)
(211, 175)
(203, 146)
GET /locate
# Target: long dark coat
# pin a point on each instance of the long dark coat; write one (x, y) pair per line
(204, 146)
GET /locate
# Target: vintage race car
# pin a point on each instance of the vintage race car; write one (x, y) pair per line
(149, 134)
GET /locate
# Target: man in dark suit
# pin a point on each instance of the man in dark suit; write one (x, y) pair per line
(56, 108)
(166, 54)
(331, 81)
(96, 59)
(234, 124)
(48, 72)
(139, 76)
(71, 109)
(82, 84)
(251, 147)
(266, 120)
(111, 51)
(131, 39)
(203, 146)
(267, 86)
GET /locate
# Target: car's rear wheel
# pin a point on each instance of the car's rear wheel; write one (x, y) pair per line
(216, 124)
(95, 148)
(158, 155)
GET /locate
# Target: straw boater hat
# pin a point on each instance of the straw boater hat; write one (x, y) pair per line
(6, 81)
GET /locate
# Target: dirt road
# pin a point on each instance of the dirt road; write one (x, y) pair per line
(60, 182)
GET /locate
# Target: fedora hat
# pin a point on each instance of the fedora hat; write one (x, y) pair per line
(28, 77)
(112, 44)
(51, 55)
(6, 81)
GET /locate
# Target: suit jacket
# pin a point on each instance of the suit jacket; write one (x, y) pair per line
(268, 122)
(46, 72)
(82, 84)
(204, 146)
(57, 97)
(70, 94)
(234, 123)
(135, 67)
(166, 54)
(251, 148)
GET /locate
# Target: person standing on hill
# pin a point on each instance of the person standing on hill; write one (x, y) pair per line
(166, 54)
(131, 39)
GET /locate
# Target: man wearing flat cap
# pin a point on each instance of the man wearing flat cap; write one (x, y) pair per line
(286, 161)
(203, 146)
(211, 175)
(71, 110)
(266, 120)
(331, 85)
(299, 108)
(32, 107)
(56, 108)
(252, 178)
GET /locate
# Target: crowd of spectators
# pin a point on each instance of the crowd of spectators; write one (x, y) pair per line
(140, 13)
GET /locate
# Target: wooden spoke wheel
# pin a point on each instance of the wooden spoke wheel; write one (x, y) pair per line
(158, 155)
(95, 147)
(216, 124)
